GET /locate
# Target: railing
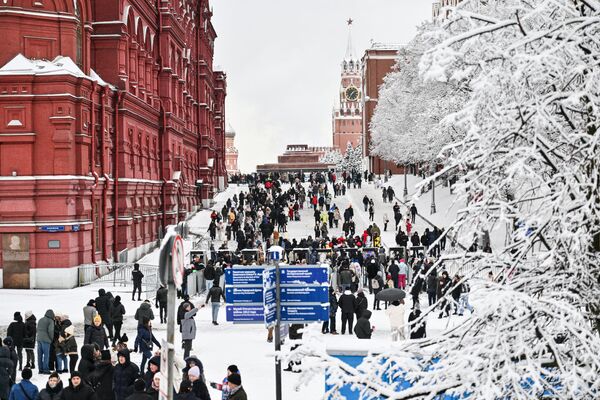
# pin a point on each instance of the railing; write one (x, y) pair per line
(118, 274)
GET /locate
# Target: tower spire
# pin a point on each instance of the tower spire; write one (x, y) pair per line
(349, 47)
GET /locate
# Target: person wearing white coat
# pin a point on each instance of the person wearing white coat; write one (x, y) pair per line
(396, 315)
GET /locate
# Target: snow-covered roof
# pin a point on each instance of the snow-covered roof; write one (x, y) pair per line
(61, 65)
(385, 46)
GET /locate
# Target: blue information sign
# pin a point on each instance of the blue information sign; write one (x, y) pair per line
(75, 228)
(303, 313)
(312, 274)
(52, 228)
(305, 294)
(241, 294)
(244, 276)
(245, 313)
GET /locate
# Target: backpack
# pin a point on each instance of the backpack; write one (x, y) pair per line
(374, 283)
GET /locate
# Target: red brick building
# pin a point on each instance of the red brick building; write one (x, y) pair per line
(377, 62)
(101, 104)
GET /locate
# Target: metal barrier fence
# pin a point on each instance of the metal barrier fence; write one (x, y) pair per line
(119, 274)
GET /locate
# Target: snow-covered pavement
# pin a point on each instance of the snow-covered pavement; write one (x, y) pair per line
(244, 345)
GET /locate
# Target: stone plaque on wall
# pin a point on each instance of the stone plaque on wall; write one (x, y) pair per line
(15, 260)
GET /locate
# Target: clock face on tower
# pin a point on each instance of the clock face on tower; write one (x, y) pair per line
(352, 93)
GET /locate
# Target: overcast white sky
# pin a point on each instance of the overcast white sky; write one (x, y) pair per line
(282, 59)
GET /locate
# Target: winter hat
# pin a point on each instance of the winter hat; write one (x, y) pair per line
(139, 385)
(26, 374)
(236, 379)
(17, 316)
(105, 355)
(233, 369)
(124, 338)
(28, 314)
(194, 371)
(117, 298)
(70, 330)
(75, 374)
(379, 273)
(98, 318)
(91, 303)
(101, 292)
(8, 341)
(155, 360)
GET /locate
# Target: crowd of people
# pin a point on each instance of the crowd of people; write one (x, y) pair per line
(101, 368)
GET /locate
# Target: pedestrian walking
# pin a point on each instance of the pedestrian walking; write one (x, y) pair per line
(417, 329)
(386, 220)
(29, 339)
(432, 286)
(96, 334)
(101, 380)
(188, 329)
(329, 326)
(223, 386)
(16, 330)
(103, 305)
(413, 213)
(402, 274)
(117, 310)
(346, 304)
(68, 347)
(24, 390)
(214, 295)
(144, 312)
(53, 389)
(6, 378)
(395, 313)
(124, 375)
(361, 304)
(136, 277)
(162, 295)
(144, 341)
(77, 389)
(377, 284)
(198, 386)
(45, 336)
(363, 329)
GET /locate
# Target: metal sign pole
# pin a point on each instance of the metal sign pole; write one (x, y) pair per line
(171, 300)
(277, 329)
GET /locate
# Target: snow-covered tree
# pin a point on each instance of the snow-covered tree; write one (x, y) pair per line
(406, 126)
(352, 159)
(530, 161)
(331, 157)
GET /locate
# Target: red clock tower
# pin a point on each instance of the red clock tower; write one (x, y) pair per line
(347, 114)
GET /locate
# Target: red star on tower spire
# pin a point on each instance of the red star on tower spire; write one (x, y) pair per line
(350, 21)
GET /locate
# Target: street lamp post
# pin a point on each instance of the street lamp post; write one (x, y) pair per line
(405, 185)
(433, 210)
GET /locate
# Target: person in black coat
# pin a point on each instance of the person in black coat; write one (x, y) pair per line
(162, 295)
(96, 334)
(361, 304)
(103, 304)
(139, 391)
(346, 303)
(124, 376)
(8, 344)
(185, 391)
(29, 339)
(16, 330)
(136, 277)
(363, 328)
(87, 362)
(153, 368)
(417, 330)
(6, 378)
(102, 378)
(78, 389)
(117, 310)
(53, 390)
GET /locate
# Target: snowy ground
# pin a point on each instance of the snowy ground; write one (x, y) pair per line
(245, 345)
